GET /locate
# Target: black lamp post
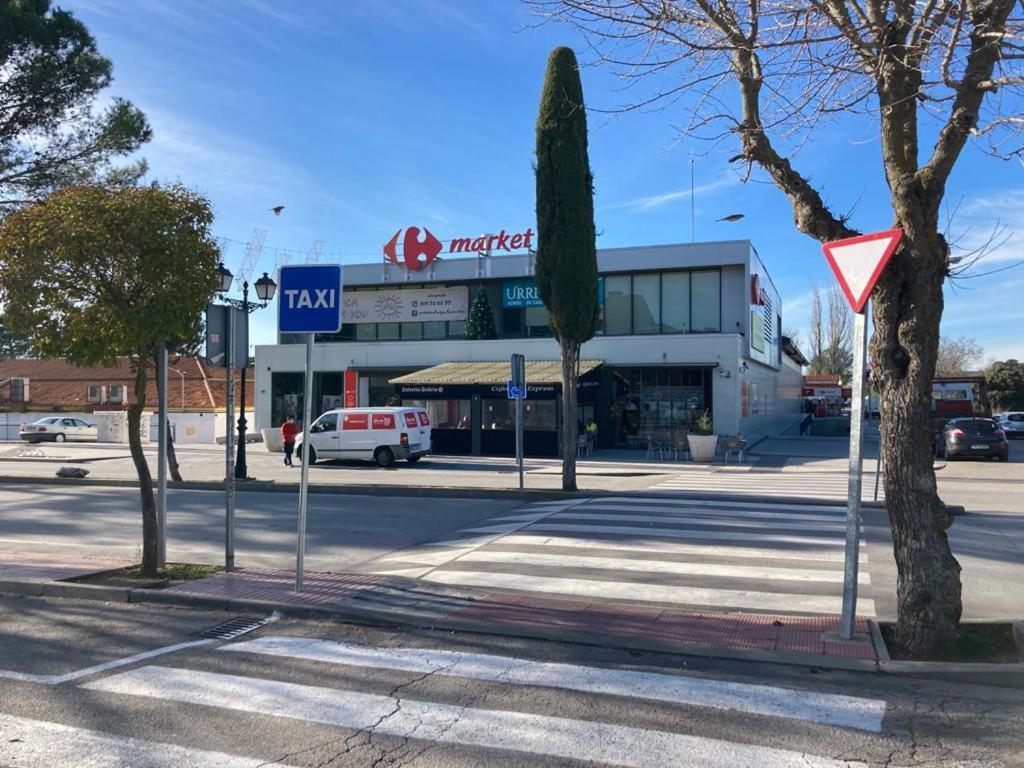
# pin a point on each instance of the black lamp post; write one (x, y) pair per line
(265, 288)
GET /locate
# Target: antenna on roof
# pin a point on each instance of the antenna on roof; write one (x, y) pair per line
(253, 249)
(313, 254)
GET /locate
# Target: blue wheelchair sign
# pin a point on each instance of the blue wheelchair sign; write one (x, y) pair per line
(309, 298)
(516, 393)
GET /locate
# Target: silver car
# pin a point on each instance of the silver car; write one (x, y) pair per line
(1011, 422)
(57, 429)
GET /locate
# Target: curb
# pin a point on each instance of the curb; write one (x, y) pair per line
(413, 491)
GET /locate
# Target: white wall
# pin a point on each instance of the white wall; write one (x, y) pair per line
(10, 423)
(774, 401)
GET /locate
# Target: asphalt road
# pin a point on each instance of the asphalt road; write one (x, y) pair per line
(343, 530)
(74, 692)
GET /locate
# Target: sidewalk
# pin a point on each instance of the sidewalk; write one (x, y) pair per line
(396, 600)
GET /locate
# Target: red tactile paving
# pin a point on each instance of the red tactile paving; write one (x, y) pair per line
(277, 585)
(40, 568)
(794, 634)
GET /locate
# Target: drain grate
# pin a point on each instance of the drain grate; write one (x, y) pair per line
(232, 628)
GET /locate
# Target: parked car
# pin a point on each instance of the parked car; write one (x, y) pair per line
(57, 429)
(382, 435)
(973, 437)
(1011, 422)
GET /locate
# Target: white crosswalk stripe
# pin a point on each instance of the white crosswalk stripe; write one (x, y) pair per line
(507, 730)
(26, 743)
(700, 553)
(748, 481)
(857, 712)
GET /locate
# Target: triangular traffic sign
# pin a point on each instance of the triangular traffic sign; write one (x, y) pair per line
(858, 262)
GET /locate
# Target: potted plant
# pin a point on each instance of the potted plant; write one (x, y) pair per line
(704, 441)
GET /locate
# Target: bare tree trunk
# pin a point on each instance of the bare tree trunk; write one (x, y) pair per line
(570, 368)
(149, 527)
(172, 458)
(907, 308)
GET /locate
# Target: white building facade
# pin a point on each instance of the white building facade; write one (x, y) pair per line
(684, 329)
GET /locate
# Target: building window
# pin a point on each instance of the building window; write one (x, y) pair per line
(675, 302)
(444, 414)
(95, 394)
(387, 331)
(705, 302)
(646, 303)
(433, 329)
(537, 321)
(499, 414)
(617, 305)
(412, 331)
(19, 391)
(366, 331)
(456, 329)
(116, 393)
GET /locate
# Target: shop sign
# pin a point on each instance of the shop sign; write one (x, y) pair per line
(520, 293)
(406, 306)
(415, 248)
(757, 329)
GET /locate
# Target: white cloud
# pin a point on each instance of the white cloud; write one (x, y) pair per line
(655, 201)
(994, 222)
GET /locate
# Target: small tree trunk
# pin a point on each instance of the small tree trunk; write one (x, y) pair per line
(149, 528)
(570, 366)
(908, 305)
(172, 458)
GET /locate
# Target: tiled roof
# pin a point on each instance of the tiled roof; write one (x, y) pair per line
(56, 383)
(497, 372)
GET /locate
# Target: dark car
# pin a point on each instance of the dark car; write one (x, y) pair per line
(973, 437)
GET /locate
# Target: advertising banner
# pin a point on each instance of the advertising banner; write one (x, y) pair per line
(522, 292)
(406, 305)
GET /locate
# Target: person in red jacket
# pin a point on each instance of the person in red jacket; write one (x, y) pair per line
(288, 432)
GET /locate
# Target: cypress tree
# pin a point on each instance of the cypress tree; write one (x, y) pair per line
(566, 249)
(480, 324)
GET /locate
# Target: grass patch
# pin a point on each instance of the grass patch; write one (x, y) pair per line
(978, 642)
(131, 576)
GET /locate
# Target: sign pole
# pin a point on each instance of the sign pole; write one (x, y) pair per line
(519, 439)
(307, 414)
(161, 473)
(517, 390)
(229, 448)
(860, 336)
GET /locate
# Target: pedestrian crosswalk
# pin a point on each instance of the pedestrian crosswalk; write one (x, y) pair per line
(465, 706)
(695, 553)
(747, 481)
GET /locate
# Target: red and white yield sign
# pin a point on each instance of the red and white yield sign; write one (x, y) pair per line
(858, 262)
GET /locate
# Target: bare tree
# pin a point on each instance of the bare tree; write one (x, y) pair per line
(772, 74)
(816, 332)
(957, 356)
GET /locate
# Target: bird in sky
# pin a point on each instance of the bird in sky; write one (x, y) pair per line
(277, 209)
(732, 217)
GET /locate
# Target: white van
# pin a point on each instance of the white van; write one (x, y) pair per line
(378, 434)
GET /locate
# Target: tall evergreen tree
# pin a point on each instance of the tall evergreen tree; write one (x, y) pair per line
(481, 318)
(566, 249)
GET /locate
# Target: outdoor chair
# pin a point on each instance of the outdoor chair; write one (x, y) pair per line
(680, 447)
(582, 446)
(653, 447)
(735, 444)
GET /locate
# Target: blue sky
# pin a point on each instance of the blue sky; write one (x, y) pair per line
(366, 117)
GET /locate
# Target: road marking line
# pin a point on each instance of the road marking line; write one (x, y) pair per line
(651, 593)
(445, 723)
(856, 712)
(752, 524)
(658, 566)
(58, 679)
(722, 503)
(678, 533)
(40, 744)
(676, 547)
(685, 509)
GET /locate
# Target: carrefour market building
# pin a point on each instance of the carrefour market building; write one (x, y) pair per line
(683, 329)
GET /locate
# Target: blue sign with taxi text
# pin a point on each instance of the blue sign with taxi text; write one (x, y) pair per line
(309, 298)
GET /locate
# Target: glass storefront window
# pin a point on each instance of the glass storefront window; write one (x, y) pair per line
(646, 303)
(537, 323)
(286, 394)
(706, 295)
(538, 414)
(387, 331)
(456, 329)
(675, 302)
(512, 321)
(412, 331)
(617, 305)
(366, 331)
(434, 329)
(657, 404)
(499, 414)
(444, 414)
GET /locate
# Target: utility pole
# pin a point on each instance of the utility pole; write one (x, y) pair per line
(161, 473)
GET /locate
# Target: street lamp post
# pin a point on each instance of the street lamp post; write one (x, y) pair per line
(265, 288)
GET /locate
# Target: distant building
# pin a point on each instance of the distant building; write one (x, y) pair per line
(33, 385)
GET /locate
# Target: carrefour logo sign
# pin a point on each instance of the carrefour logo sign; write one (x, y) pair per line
(416, 248)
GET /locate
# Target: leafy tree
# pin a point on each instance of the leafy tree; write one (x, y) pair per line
(566, 247)
(1005, 383)
(957, 356)
(50, 133)
(480, 324)
(92, 273)
(12, 344)
(778, 74)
